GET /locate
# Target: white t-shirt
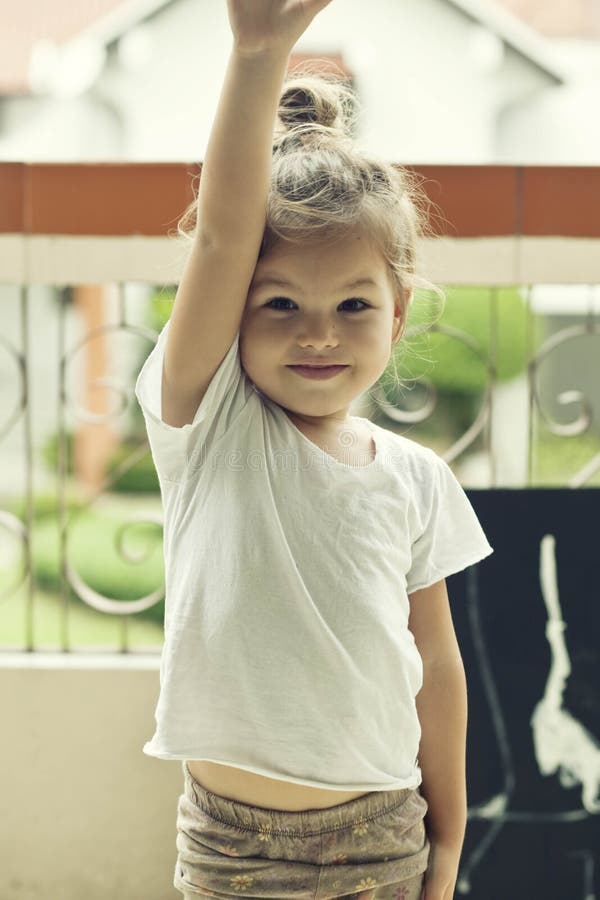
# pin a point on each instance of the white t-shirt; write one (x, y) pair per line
(287, 651)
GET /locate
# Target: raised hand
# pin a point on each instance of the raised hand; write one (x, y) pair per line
(270, 25)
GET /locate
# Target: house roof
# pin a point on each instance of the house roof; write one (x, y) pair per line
(563, 19)
(520, 37)
(31, 22)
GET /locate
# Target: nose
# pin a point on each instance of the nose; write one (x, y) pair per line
(317, 331)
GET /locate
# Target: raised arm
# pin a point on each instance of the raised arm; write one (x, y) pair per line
(232, 200)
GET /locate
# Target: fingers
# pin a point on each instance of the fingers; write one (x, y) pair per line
(316, 6)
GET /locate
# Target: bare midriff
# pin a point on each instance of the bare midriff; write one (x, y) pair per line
(258, 790)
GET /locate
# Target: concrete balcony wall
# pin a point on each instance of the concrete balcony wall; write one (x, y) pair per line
(86, 815)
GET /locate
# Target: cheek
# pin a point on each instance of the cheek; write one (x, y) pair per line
(254, 346)
(371, 332)
(259, 325)
(251, 335)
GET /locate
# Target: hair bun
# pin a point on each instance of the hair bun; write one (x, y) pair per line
(315, 105)
(300, 104)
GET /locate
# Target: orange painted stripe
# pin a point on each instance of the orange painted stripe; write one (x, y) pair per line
(149, 198)
(475, 201)
(561, 200)
(95, 199)
(12, 198)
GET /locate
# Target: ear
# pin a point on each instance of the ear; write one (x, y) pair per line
(398, 332)
(400, 316)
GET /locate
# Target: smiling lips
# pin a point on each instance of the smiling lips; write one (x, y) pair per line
(317, 361)
(317, 370)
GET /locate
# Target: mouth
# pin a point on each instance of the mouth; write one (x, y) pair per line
(317, 371)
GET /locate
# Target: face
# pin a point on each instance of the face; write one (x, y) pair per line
(314, 315)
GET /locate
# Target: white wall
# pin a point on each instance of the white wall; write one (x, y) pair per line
(46, 129)
(425, 97)
(562, 127)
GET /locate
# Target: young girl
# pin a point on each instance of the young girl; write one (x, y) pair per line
(311, 681)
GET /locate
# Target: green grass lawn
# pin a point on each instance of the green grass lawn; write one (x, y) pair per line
(96, 554)
(86, 627)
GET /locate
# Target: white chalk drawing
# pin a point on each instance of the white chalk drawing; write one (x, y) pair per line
(560, 741)
(561, 744)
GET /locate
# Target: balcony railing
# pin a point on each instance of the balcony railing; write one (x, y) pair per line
(84, 252)
(97, 242)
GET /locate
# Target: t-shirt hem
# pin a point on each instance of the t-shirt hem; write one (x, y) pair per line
(412, 781)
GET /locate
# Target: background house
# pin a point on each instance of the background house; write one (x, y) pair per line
(140, 80)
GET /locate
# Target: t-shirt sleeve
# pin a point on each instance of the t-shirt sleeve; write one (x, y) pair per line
(173, 447)
(452, 537)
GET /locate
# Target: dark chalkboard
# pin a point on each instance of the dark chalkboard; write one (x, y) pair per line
(528, 622)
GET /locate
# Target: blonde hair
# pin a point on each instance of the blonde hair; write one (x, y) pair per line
(323, 183)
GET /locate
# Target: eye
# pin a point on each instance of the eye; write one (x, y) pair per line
(357, 300)
(277, 300)
(365, 305)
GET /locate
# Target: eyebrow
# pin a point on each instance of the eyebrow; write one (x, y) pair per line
(275, 281)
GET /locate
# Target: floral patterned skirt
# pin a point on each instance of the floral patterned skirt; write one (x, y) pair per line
(375, 846)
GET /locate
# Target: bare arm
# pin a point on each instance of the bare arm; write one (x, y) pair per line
(234, 183)
(232, 199)
(442, 709)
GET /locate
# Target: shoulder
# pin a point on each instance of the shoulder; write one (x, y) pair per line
(401, 450)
